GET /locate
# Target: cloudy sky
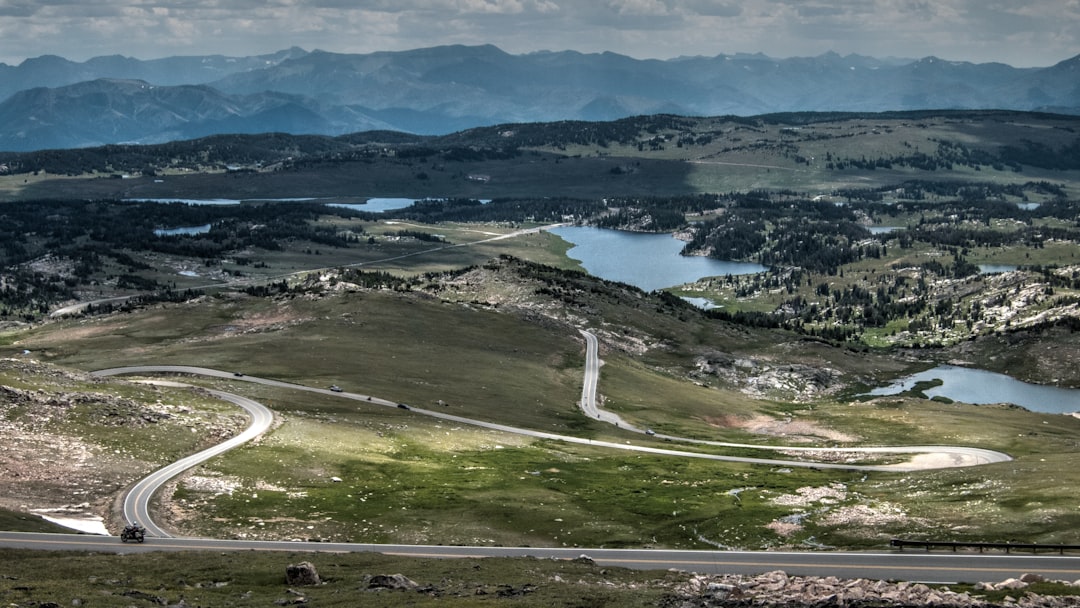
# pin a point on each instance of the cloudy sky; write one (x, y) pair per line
(1022, 33)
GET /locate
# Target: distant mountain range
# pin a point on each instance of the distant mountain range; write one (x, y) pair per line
(50, 102)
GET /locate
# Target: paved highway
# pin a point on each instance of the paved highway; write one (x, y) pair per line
(136, 504)
(919, 566)
(927, 456)
(592, 370)
(137, 501)
(910, 566)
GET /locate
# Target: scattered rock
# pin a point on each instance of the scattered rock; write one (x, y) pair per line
(139, 595)
(1012, 583)
(303, 573)
(778, 590)
(511, 591)
(391, 581)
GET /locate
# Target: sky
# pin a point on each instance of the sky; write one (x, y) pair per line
(1021, 33)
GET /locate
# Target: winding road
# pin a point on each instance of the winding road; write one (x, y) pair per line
(137, 501)
(926, 456)
(878, 565)
(911, 566)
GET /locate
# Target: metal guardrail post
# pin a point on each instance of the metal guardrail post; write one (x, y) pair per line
(900, 543)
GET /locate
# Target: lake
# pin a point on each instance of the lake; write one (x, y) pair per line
(188, 201)
(183, 230)
(982, 387)
(883, 229)
(378, 205)
(648, 261)
(373, 205)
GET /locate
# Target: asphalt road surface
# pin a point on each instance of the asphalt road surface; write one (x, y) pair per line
(137, 502)
(927, 456)
(909, 566)
(912, 565)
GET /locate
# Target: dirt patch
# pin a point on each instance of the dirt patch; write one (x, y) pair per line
(796, 431)
(63, 336)
(784, 527)
(268, 320)
(854, 517)
(810, 495)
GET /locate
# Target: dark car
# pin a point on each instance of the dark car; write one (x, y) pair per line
(238, 374)
(403, 406)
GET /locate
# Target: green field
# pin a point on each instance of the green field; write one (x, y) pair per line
(405, 478)
(258, 579)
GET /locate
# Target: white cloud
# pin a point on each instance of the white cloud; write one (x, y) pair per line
(1034, 32)
(653, 8)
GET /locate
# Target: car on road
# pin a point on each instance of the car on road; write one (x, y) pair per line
(650, 432)
(335, 388)
(403, 406)
(238, 374)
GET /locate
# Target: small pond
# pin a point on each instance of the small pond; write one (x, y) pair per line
(982, 387)
(702, 303)
(996, 268)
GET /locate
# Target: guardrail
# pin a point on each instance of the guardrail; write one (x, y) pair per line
(900, 543)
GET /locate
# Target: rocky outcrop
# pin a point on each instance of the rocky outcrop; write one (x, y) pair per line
(391, 581)
(777, 589)
(764, 379)
(302, 574)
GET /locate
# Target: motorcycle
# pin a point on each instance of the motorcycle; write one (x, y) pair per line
(134, 533)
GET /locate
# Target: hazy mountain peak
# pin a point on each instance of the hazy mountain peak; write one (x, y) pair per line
(1072, 63)
(442, 89)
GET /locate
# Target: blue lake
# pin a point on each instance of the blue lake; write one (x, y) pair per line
(378, 205)
(373, 205)
(648, 261)
(982, 387)
(183, 230)
(189, 201)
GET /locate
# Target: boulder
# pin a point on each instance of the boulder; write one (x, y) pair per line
(391, 581)
(1010, 583)
(303, 573)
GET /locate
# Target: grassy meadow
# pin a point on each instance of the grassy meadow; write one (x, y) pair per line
(258, 579)
(344, 470)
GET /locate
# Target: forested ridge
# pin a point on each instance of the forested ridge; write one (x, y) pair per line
(798, 133)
